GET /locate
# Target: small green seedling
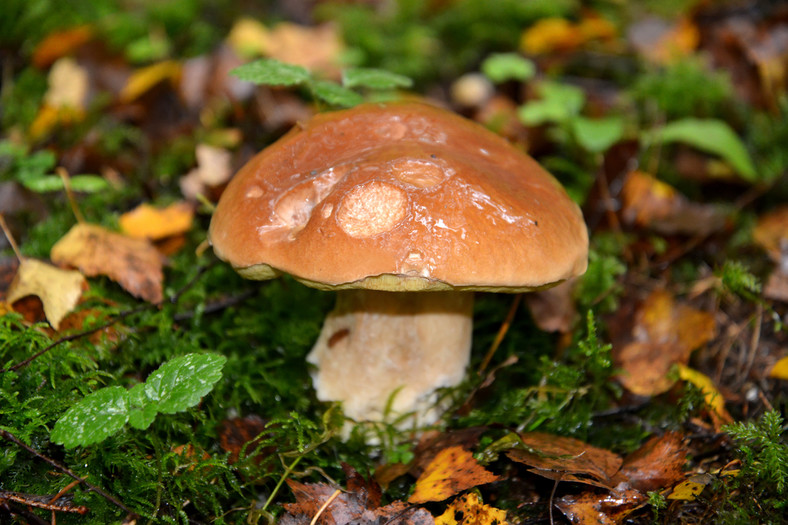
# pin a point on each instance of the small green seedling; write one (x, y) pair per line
(175, 386)
(34, 171)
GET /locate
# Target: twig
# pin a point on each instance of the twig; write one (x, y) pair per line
(325, 505)
(501, 333)
(10, 238)
(12, 438)
(70, 194)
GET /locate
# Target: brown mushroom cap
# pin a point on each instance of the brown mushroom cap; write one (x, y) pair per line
(399, 196)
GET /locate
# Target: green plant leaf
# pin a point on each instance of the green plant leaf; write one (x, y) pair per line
(374, 79)
(180, 383)
(49, 183)
(501, 67)
(272, 73)
(93, 419)
(709, 135)
(142, 418)
(597, 135)
(335, 94)
(558, 104)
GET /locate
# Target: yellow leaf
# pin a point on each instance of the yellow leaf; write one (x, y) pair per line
(133, 263)
(157, 223)
(248, 37)
(780, 369)
(59, 290)
(713, 397)
(452, 470)
(68, 85)
(690, 489)
(471, 511)
(549, 34)
(144, 79)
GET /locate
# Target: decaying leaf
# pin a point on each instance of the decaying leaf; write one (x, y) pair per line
(451, 471)
(346, 508)
(771, 233)
(566, 459)
(133, 263)
(241, 436)
(690, 489)
(657, 464)
(590, 507)
(663, 42)
(214, 167)
(664, 333)
(58, 289)
(157, 223)
(713, 398)
(469, 510)
(59, 44)
(65, 99)
(651, 203)
(553, 310)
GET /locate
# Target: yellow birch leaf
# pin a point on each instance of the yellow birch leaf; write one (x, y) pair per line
(471, 511)
(144, 79)
(690, 489)
(157, 223)
(780, 369)
(59, 290)
(713, 397)
(451, 471)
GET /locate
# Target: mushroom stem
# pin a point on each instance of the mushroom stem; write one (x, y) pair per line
(377, 345)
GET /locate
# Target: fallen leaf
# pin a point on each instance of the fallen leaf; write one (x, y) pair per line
(133, 263)
(249, 37)
(214, 168)
(58, 289)
(451, 471)
(664, 333)
(469, 510)
(317, 48)
(776, 287)
(144, 79)
(157, 223)
(780, 369)
(657, 464)
(663, 42)
(689, 490)
(346, 508)
(432, 442)
(550, 35)
(771, 234)
(59, 44)
(651, 203)
(595, 508)
(65, 99)
(553, 310)
(241, 436)
(566, 459)
(712, 396)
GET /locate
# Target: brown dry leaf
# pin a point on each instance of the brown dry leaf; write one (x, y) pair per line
(157, 223)
(553, 310)
(451, 471)
(771, 234)
(776, 287)
(469, 510)
(592, 508)
(144, 79)
(651, 203)
(214, 168)
(663, 42)
(664, 333)
(58, 289)
(60, 44)
(566, 459)
(133, 263)
(346, 508)
(241, 435)
(657, 464)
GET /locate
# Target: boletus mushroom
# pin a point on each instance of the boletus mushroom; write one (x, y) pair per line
(404, 209)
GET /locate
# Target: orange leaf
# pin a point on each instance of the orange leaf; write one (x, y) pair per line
(133, 263)
(144, 79)
(470, 510)
(771, 232)
(157, 223)
(60, 44)
(780, 369)
(59, 290)
(453, 470)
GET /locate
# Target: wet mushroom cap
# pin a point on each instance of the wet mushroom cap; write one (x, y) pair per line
(399, 196)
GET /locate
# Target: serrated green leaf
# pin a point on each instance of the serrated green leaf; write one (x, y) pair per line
(709, 135)
(374, 79)
(272, 72)
(141, 418)
(335, 94)
(501, 67)
(558, 103)
(181, 382)
(137, 397)
(93, 419)
(597, 135)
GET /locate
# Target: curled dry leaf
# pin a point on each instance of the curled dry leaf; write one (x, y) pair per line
(451, 471)
(611, 508)
(133, 263)
(567, 459)
(469, 510)
(157, 223)
(651, 203)
(657, 464)
(664, 333)
(58, 289)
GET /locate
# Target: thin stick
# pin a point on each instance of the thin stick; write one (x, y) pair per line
(66, 489)
(12, 438)
(10, 238)
(70, 194)
(501, 332)
(325, 506)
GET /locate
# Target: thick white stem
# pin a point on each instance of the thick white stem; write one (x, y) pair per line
(407, 344)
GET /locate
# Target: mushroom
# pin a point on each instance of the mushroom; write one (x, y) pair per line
(403, 208)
